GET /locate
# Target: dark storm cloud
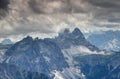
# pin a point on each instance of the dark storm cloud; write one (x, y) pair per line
(107, 25)
(26, 15)
(68, 6)
(49, 6)
(100, 9)
(107, 12)
(114, 20)
(4, 4)
(3, 8)
(55, 6)
(105, 3)
(65, 6)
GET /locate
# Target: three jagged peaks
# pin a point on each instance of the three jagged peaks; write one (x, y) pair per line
(63, 40)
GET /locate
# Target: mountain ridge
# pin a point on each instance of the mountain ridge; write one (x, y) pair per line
(108, 40)
(52, 57)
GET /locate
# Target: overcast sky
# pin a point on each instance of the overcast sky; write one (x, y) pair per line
(52, 16)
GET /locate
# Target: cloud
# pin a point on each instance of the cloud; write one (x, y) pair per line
(52, 16)
(18, 37)
(117, 20)
(105, 3)
(51, 6)
(3, 8)
(82, 50)
(56, 6)
(42, 23)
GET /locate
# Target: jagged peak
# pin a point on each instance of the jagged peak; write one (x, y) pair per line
(67, 30)
(77, 31)
(6, 41)
(28, 38)
(64, 32)
(36, 38)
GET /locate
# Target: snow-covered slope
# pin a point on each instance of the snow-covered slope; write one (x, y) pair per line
(109, 40)
(6, 42)
(113, 44)
(3, 49)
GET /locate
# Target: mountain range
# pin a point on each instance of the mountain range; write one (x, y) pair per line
(6, 42)
(108, 40)
(61, 57)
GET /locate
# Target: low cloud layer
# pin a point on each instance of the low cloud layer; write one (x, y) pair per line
(52, 16)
